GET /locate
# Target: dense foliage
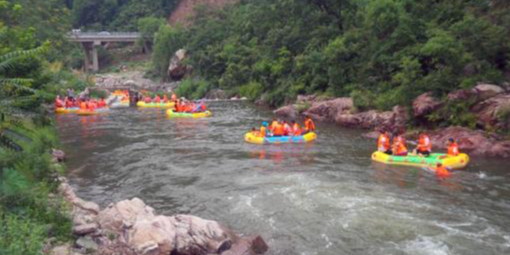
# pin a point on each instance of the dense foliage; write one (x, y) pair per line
(117, 15)
(31, 73)
(382, 52)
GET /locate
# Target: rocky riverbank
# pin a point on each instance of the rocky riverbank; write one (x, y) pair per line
(488, 104)
(132, 227)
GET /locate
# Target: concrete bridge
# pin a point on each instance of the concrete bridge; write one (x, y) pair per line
(91, 40)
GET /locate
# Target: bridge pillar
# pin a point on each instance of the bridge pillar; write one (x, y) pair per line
(91, 56)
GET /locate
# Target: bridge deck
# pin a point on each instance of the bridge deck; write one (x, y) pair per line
(103, 36)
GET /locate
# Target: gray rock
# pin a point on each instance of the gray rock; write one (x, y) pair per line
(87, 243)
(85, 229)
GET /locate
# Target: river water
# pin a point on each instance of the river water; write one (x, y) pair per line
(321, 198)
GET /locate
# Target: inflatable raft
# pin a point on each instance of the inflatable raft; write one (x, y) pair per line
(251, 137)
(66, 110)
(171, 113)
(155, 105)
(93, 112)
(452, 162)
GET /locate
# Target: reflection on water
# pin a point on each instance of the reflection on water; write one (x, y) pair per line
(325, 197)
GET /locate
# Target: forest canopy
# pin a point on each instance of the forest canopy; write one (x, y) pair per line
(381, 52)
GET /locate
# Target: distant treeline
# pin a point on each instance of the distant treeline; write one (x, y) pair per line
(380, 52)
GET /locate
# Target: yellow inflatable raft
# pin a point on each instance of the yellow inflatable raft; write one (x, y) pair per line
(173, 114)
(93, 112)
(155, 105)
(452, 162)
(66, 110)
(252, 137)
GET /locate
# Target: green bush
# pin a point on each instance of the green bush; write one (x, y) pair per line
(192, 88)
(252, 90)
(363, 99)
(20, 235)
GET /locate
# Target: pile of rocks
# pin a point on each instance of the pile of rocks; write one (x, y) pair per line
(132, 227)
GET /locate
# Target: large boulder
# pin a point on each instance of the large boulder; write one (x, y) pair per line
(216, 94)
(288, 111)
(490, 112)
(330, 109)
(474, 142)
(176, 69)
(486, 91)
(425, 104)
(393, 120)
(124, 214)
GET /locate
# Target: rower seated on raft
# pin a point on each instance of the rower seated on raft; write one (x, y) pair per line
(423, 148)
(282, 128)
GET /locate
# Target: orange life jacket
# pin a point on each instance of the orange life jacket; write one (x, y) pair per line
(83, 105)
(147, 100)
(309, 125)
(157, 99)
(400, 145)
(174, 97)
(453, 149)
(165, 99)
(58, 103)
(278, 130)
(424, 144)
(273, 125)
(262, 131)
(296, 129)
(442, 171)
(383, 143)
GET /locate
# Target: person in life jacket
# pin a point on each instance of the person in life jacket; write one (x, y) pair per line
(58, 102)
(165, 98)
(309, 125)
(274, 123)
(147, 100)
(287, 130)
(399, 146)
(263, 129)
(441, 170)
(68, 103)
(203, 107)
(177, 106)
(173, 98)
(453, 148)
(296, 129)
(278, 129)
(92, 105)
(102, 103)
(424, 146)
(383, 143)
(157, 99)
(83, 105)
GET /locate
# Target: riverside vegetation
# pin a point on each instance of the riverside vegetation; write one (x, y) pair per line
(31, 73)
(381, 53)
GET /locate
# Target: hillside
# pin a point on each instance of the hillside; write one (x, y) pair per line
(185, 9)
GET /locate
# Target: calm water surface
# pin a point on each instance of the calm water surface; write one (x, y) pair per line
(320, 198)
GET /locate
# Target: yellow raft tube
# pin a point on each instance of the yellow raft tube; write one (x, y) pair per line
(452, 162)
(94, 112)
(252, 137)
(142, 104)
(66, 110)
(173, 114)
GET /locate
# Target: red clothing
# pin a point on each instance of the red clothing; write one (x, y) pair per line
(157, 99)
(309, 125)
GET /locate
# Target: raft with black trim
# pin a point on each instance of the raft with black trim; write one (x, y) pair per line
(173, 114)
(251, 137)
(92, 112)
(452, 162)
(142, 104)
(66, 110)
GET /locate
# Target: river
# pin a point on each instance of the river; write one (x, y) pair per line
(321, 198)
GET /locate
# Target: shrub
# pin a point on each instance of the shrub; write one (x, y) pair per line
(252, 90)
